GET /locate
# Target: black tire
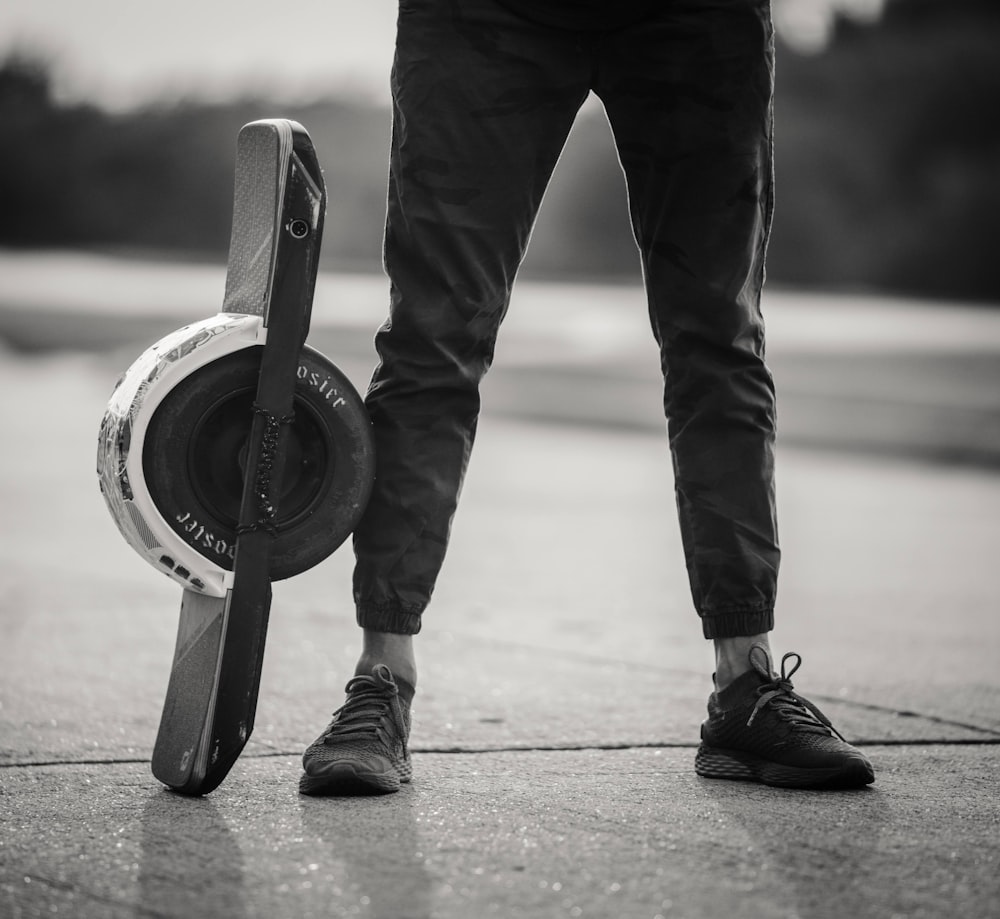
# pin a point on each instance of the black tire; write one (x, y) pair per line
(194, 456)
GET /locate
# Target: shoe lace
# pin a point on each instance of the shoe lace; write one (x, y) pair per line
(800, 713)
(369, 700)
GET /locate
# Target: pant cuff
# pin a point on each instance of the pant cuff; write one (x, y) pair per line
(737, 623)
(388, 617)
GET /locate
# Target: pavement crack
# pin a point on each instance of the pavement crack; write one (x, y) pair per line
(75, 762)
(77, 890)
(487, 749)
(553, 748)
(906, 713)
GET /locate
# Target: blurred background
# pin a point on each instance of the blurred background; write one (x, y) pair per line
(119, 123)
(118, 131)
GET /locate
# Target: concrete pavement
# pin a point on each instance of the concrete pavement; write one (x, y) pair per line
(563, 681)
(623, 833)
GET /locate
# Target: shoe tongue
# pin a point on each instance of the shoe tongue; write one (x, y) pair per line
(760, 660)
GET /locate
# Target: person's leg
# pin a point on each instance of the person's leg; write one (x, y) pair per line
(483, 103)
(689, 96)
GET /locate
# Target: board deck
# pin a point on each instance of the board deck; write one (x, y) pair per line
(194, 675)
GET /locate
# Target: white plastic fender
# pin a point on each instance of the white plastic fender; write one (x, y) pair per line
(122, 434)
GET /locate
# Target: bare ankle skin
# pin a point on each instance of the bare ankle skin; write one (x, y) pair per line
(395, 651)
(732, 656)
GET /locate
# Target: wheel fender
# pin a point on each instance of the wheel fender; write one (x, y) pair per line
(135, 398)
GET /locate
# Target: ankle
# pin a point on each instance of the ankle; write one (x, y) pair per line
(404, 676)
(395, 651)
(732, 657)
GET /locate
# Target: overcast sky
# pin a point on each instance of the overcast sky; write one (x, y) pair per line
(121, 53)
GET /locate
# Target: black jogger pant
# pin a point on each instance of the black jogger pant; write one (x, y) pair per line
(483, 102)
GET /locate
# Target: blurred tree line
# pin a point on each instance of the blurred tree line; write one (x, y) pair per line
(888, 147)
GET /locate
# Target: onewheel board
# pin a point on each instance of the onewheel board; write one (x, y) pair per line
(231, 455)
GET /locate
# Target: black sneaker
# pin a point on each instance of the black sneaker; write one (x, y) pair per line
(760, 730)
(363, 750)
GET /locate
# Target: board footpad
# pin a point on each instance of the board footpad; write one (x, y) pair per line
(262, 153)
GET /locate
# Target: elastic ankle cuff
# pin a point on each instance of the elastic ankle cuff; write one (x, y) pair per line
(388, 617)
(737, 624)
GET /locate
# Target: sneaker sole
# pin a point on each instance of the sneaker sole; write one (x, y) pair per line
(739, 766)
(344, 779)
